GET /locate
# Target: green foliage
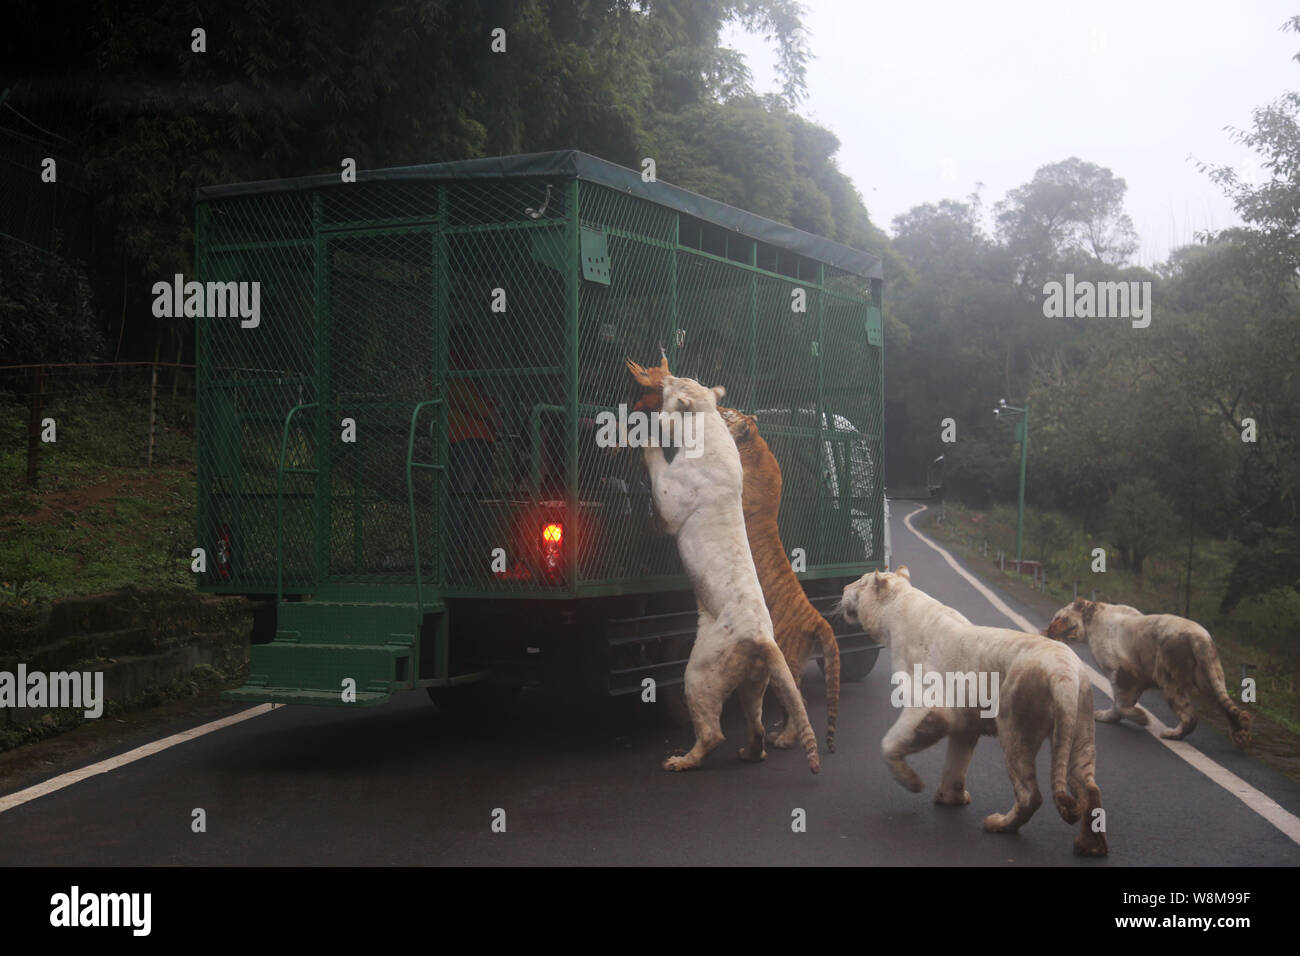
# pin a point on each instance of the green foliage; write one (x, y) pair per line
(1269, 619)
(750, 152)
(100, 520)
(961, 352)
(1202, 406)
(736, 152)
(1140, 519)
(976, 472)
(46, 317)
(202, 679)
(1069, 210)
(285, 89)
(1267, 202)
(783, 20)
(1045, 533)
(1268, 559)
(1066, 552)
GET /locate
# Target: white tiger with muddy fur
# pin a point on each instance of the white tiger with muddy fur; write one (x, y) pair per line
(1139, 651)
(1043, 694)
(699, 501)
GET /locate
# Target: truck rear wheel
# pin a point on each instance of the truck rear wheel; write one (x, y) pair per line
(854, 668)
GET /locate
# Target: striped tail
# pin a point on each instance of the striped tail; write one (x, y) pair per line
(831, 658)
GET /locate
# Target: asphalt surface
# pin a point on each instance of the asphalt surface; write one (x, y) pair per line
(580, 783)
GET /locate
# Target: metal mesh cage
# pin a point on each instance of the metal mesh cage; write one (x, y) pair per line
(420, 394)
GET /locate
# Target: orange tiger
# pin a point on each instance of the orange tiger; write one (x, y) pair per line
(795, 622)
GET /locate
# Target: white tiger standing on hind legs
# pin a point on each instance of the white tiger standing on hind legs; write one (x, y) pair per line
(698, 498)
(1043, 693)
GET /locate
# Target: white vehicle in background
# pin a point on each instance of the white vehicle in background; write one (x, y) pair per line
(889, 551)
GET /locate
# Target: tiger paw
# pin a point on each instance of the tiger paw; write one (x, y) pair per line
(1066, 806)
(1093, 846)
(678, 763)
(783, 740)
(999, 823)
(949, 798)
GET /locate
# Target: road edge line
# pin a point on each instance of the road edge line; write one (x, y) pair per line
(54, 784)
(1257, 800)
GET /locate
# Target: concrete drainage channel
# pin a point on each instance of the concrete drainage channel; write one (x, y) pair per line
(150, 646)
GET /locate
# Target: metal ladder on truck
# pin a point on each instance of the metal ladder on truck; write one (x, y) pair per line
(350, 644)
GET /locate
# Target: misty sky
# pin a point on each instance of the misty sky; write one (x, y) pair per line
(930, 98)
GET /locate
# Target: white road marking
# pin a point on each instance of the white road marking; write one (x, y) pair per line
(1261, 803)
(20, 797)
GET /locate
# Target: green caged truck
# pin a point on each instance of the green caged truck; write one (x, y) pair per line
(401, 447)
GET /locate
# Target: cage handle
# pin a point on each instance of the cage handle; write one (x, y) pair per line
(410, 497)
(279, 499)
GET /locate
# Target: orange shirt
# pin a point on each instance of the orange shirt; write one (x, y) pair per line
(469, 412)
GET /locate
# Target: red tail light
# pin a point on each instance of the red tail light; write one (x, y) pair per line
(552, 537)
(223, 553)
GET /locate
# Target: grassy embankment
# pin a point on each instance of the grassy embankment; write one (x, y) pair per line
(98, 519)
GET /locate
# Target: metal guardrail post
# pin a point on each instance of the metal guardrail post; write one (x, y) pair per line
(34, 427)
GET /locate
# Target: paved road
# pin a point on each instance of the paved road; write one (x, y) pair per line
(580, 783)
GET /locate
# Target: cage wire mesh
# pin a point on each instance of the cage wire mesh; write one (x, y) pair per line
(480, 327)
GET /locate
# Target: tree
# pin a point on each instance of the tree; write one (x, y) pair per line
(1070, 209)
(1268, 203)
(968, 329)
(48, 316)
(753, 153)
(1140, 519)
(284, 89)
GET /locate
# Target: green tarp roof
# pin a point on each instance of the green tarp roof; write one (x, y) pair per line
(572, 163)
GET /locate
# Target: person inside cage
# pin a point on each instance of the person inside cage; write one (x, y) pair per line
(472, 425)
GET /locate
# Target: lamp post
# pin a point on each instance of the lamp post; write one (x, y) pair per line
(1022, 436)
